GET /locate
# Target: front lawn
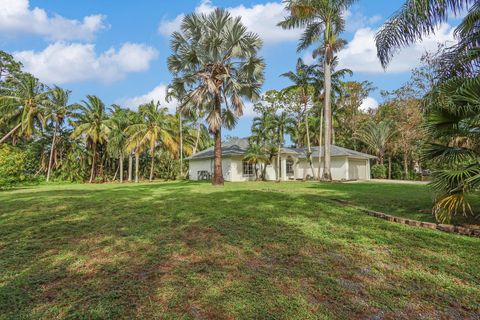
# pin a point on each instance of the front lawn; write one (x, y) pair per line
(185, 250)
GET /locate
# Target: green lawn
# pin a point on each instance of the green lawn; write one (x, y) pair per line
(247, 251)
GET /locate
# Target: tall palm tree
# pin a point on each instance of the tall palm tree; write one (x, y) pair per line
(154, 130)
(59, 110)
(302, 79)
(117, 138)
(176, 90)
(282, 122)
(377, 137)
(92, 123)
(323, 21)
(215, 57)
(25, 101)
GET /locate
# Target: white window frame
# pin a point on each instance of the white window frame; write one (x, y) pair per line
(250, 169)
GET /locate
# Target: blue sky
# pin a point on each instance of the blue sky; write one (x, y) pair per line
(118, 49)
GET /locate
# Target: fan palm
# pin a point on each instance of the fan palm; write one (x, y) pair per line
(323, 21)
(25, 101)
(91, 122)
(377, 137)
(215, 57)
(154, 130)
(59, 110)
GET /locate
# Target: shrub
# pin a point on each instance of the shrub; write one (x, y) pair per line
(379, 171)
(12, 166)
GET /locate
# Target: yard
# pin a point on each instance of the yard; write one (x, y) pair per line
(186, 250)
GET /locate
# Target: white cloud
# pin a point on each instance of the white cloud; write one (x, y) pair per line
(369, 103)
(360, 55)
(61, 63)
(355, 20)
(260, 18)
(16, 16)
(156, 94)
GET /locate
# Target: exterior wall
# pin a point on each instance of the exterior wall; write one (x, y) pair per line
(207, 165)
(358, 169)
(339, 168)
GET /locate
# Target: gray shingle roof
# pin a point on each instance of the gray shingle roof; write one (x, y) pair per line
(238, 147)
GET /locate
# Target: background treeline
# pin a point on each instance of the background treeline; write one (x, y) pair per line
(45, 136)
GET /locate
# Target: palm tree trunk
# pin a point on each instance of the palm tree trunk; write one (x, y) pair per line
(327, 173)
(130, 167)
(197, 139)
(308, 143)
(278, 162)
(181, 145)
(405, 165)
(217, 166)
(389, 167)
(320, 155)
(137, 163)
(92, 171)
(10, 133)
(152, 154)
(120, 160)
(52, 148)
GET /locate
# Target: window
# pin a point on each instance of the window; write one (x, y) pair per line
(248, 169)
(290, 166)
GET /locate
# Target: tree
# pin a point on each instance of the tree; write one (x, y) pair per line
(215, 57)
(255, 155)
(24, 101)
(58, 112)
(117, 138)
(177, 90)
(92, 123)
(377, 137)
(153, 130)
(323, 21)
(302, 79)
(282, 122)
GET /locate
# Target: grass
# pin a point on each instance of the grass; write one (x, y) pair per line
(187, 250)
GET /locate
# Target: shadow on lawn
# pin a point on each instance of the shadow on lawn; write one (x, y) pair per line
(170, 251)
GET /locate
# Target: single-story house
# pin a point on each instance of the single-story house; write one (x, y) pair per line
(346, 164)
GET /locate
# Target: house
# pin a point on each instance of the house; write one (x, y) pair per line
(346, 164)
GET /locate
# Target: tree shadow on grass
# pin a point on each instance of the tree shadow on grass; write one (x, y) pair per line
(151, 252)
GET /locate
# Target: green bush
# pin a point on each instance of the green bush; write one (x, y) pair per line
(379, 171)
(12, 166)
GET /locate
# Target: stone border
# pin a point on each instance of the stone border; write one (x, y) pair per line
(427, 225)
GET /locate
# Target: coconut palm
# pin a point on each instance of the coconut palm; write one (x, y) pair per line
(58, 112)
(323, 21)
(154, 130)
(215, 57)
(176, 90)
(377, 137)
(117, 139)
(24, 101)
(91, 122)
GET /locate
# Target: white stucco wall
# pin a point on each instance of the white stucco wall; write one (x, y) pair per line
(339, 168)
(207, 165)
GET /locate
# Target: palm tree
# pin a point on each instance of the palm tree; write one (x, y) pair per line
(58, 112)
(282, 122)
(117, 139)
(302, 79)
(92, 123)
(377, 137)
(153, 130)
(24, 101)
(215, 57)
(323, 21)
(255, 155)
(417, 18)
(177, 90)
